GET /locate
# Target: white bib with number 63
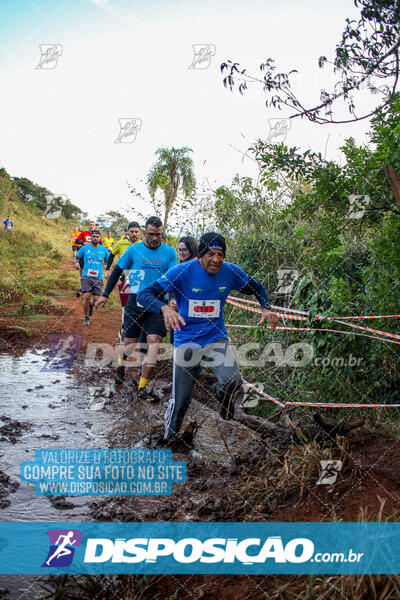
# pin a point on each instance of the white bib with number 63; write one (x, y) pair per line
(204, 308)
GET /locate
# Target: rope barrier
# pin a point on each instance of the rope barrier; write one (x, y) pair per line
(253, 387)
(317, 404)
(384, 333)
(259, 311)
(238, 302)
(320, 317)
(372, 337)
(344, 405)
(301, 312)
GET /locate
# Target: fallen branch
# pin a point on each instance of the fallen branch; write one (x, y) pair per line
(285, 410)
(258, 423)
(337, 428)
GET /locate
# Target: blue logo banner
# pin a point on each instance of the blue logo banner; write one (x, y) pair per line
(199, 548)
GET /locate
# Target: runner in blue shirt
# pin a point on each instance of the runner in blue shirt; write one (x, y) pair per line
(91, 258)
(201, 287)
(8, 224)
(143, 263)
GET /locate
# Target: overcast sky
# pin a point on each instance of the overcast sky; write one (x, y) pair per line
(130, 59)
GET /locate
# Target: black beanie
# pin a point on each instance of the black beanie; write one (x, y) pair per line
(211, 240)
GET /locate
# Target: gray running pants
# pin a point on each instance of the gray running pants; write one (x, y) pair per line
(188, 363)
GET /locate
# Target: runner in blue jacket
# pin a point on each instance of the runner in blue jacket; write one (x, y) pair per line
(200, 287)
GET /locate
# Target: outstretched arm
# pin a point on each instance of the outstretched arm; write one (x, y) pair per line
(115, 275)
(110, 260)
(254, 287)
(149, 298)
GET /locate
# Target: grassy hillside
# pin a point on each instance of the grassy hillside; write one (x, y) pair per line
(30, 258)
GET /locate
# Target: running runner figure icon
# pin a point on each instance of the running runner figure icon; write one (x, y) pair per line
(62, 546)
(62, 549)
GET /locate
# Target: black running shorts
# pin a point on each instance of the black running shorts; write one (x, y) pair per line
(136, 319)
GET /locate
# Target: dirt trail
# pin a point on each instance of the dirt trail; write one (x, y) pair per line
(103, 325)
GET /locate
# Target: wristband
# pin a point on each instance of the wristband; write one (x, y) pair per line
(105, 295)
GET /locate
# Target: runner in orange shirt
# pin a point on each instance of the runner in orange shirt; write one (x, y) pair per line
(74, 236)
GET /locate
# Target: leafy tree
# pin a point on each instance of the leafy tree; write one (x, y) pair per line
(71, 211)
(173, 171)
(367, 177)
(346, 264)
(40, 197)
(32, 193)
(8, 188)
(113, 221)
(367, 56)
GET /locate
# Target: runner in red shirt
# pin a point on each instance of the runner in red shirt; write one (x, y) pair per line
(86, 236)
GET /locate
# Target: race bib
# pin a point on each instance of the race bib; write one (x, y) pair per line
(93, 272)
(204, 308)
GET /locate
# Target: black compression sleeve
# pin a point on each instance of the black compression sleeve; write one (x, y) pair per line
(110, 261)
(254, 287)
(115, 275)
(81, 262)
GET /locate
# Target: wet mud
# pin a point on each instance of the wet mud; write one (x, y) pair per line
(234, 473)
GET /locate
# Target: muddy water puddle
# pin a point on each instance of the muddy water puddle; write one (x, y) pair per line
(81, 409)
(42, 409)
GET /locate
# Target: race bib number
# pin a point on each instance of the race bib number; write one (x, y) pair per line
(93, 272)
(204, 308)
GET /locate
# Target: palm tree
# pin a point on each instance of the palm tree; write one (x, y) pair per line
(173, 169)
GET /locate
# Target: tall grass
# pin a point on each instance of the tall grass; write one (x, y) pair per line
(30, 256)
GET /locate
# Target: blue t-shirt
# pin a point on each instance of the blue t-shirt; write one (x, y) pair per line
(8, 225)
(146, 265)
(201, 298)
(93, 260)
